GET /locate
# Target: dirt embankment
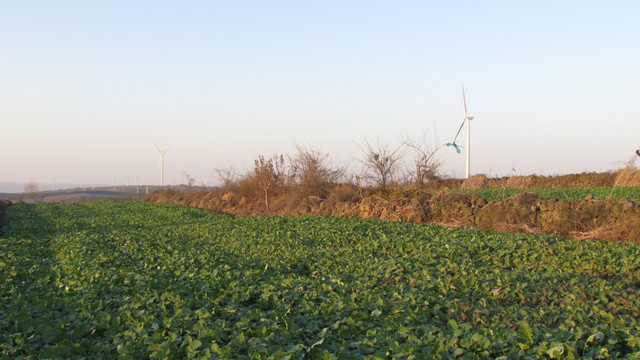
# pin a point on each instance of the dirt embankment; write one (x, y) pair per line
(616, 220)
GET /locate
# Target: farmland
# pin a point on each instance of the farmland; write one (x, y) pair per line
(567, 194)
(144, 280)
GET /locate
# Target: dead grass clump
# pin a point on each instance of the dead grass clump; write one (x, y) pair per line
(625, 231)
(475, 182)
(520, 182)
(627, 177)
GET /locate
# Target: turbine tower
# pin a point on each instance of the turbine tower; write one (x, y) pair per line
(162, 153)
(466, 119)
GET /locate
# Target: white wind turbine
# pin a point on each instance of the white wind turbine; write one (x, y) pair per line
(466, 119)
(162, 153)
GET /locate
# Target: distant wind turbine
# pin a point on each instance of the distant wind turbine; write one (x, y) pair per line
(181, 172)
(162, 153)
(466, 119)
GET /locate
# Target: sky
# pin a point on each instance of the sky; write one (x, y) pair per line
(88, 87)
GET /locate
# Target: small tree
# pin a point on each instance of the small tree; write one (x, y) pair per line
(313, 172)
(190, 181)
(270, 175)
(381, 162)
(32, 189)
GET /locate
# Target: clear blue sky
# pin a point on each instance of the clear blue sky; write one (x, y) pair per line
(87, 87)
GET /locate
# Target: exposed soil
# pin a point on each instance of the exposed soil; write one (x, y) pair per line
(611, 219)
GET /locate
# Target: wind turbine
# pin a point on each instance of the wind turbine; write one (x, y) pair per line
(181, 172)
(466, 119)
(162, 153)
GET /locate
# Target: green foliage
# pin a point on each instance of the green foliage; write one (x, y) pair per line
(142, 280)
(569, 194)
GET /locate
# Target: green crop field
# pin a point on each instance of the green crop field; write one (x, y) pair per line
(569, 194)
(140, 280)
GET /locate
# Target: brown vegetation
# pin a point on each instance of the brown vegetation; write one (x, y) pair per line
(616, 220)
(629, 176)
(310, 185)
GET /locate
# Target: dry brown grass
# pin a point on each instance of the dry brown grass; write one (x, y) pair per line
(475, 182)
(627, 177)
(623, 231)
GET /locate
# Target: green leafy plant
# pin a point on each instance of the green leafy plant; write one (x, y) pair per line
(570, 194)
(143, 280)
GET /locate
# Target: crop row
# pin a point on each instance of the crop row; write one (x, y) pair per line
(142, 280)
(569, 194)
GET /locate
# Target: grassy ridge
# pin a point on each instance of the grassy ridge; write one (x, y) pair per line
(569, 194)
(142, 280)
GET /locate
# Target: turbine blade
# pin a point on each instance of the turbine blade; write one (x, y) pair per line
(464, 100)
(459, 129)
(157, 147)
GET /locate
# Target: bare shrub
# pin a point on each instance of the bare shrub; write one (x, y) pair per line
(228, 178)
(313, 173)
(426, 166)
(381, 163)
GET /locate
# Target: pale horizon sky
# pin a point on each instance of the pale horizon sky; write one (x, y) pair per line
(86, 88)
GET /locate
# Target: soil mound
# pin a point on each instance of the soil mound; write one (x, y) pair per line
(520, 182)
(475, 182)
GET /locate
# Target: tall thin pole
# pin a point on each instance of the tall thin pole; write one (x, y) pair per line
(468, 148)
